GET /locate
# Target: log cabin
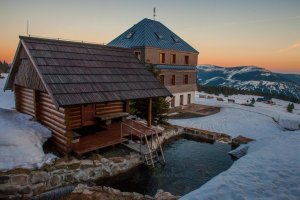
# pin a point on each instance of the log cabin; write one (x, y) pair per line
(152, 42)
(80, 91)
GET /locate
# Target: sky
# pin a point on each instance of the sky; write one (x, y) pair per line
(263, 33)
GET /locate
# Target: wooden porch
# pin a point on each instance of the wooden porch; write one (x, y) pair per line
(114, 133)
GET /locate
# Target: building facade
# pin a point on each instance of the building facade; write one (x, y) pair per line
(154, 43)
(72, 86)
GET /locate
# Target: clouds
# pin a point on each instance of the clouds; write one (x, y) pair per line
(294, 46)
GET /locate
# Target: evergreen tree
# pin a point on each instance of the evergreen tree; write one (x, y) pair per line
(290, 107)
(252, 101)
(160, 106)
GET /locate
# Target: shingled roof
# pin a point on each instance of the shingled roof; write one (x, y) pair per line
(80, 73)
(151, 33)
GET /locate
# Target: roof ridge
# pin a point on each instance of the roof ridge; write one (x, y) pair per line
(62, 40)
(145, 36)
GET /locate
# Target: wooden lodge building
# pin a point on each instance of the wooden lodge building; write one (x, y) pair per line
(152, 42)
(71, 86)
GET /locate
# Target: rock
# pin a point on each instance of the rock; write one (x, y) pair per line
(79, 188)
(69, 178)
(25, 190)
(9, 190)
(92, 174)
(85, 164)
(73, 164)
(61, 164)
(106, 171)
(161, 195)
(97, 163)
(38, 177)
(87, 192)
(104, 160)
(38, 188)
(117, 159)
(55, 181)
(19, 179)
(4, 179)
(83, 176)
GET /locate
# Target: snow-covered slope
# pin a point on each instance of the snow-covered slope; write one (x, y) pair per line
(270, 170)
(250, 78)
(21, 138)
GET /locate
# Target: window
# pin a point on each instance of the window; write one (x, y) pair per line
(189, 98)
(162, 79)
(173, 80)
(186, 60)
(162, 57)
(130, 34)
(159, 35)
(137, 54)
(173, 102)
(173, 58)
(186, 79)
(181, 100)
(175, 39)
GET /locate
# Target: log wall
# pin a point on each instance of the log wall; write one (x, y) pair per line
(55, 120)
(74, 115)
(40, 106)
(24, 100)
(60, 121)
(108, 108)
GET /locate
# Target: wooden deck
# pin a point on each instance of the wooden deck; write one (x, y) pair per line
(138, 129)
(112, 136)
(102, 139)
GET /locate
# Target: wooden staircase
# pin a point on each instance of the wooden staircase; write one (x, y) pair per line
(147, 143)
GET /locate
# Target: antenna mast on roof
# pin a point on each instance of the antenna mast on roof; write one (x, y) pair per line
(27, 27)
(154, 15)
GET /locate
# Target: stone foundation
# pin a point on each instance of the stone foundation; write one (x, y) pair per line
(107, 193)
(23, 183)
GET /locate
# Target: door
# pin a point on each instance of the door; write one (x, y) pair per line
(181, 100)
(189, 98)
(88, 114)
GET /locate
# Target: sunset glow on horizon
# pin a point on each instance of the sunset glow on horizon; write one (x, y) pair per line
(226, 33)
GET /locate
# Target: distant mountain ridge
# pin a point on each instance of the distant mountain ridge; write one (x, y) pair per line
(250, 78)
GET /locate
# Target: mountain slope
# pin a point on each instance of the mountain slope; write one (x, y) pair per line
(250, 78)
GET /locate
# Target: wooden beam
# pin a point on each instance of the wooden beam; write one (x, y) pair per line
(149, 112)
(127, 106)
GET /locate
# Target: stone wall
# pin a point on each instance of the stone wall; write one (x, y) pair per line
(25, 183)
(107, 193)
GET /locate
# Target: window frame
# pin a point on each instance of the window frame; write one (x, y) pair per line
(173, 58)
(138, 54)
(186, 59)
(162, 57)
(186, 79)
(173, 79)
(162, 79)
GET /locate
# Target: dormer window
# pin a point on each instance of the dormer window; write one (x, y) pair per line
(159, 35)
(175, 39)
(130, 34)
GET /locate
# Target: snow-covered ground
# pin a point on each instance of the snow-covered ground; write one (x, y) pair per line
(271, 169)
(21, 138)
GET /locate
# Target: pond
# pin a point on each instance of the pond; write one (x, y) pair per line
(189, 164)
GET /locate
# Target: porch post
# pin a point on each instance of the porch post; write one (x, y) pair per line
(150, 112)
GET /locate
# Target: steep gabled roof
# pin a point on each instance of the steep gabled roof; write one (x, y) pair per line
(150, 33)
(80, 73)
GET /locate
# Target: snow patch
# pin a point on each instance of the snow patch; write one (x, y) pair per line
(21, 138)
